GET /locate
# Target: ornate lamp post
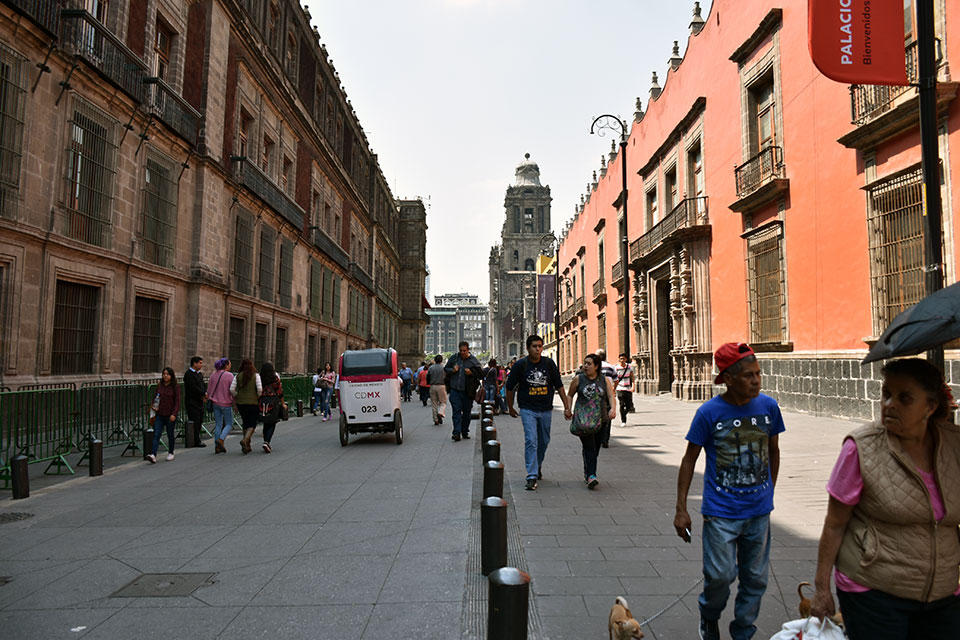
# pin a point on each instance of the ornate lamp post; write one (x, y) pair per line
(613, 123)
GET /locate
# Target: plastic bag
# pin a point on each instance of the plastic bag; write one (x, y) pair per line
(809, 629)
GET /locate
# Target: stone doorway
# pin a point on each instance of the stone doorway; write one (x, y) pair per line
(663, 338)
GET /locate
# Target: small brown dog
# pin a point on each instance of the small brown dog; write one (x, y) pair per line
(805, 605)
(623, 626)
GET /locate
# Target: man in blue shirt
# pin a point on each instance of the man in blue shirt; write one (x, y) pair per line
(406, 377)
(739, 430)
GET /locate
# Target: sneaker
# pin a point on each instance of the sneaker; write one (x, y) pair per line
(709, 630)
(169, 457)
(456, 437)
(531, 484)
(623, 425)
(152, 458)
(466, 436)
(592, 482)
(266, 447)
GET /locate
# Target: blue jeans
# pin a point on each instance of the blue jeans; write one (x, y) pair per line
(735, 549)
(222, 421)
(405, 389)
(489, 392)
(462, 405)
(536, 437)
(158, 425)
(315, 402)
(325, 402)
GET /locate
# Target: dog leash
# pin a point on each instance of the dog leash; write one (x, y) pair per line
(672, 604)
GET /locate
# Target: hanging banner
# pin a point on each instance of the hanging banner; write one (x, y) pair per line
(858, 41)
(546, 297)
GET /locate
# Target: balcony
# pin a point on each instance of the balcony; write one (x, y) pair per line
(690, 214)
(330, 248)
(359, 275)
(44, 13)
(273, 196)
(580, 307)
(760, 179)
(166, 104)
(600, 292)
(616, 274)
(868, 100)
(566, 315)
(85, 37)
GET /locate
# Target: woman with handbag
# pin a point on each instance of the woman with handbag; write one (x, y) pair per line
(245, 389)
(596, 402)
(167, 401)
(328, 378)
(219, 384)
(272, 405)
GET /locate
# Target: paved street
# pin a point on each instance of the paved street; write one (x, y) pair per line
(378, 540)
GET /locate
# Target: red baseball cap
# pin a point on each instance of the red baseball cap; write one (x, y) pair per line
(728, 355)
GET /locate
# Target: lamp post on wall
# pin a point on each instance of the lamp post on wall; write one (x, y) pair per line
(549, 242)
(613, 123)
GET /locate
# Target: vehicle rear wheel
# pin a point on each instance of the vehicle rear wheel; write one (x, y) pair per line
(344, 436)
(398, 426)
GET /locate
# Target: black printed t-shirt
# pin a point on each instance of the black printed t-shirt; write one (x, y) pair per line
(535, 383)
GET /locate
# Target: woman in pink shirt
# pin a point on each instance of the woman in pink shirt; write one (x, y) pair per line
(218, 388)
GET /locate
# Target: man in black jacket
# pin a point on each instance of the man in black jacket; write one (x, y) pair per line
(195, 394)
(465, 375)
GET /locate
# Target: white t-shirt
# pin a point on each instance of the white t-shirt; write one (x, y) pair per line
(623, 377)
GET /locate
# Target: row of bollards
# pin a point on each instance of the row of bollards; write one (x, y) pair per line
(20, 472)
(509, 594)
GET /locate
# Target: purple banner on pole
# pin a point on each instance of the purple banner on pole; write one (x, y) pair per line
(546, 297)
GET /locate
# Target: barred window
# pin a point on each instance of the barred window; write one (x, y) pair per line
(74, 328)
(337, 285)
(160, 193)
(895, 226)
(243, 253)
(583, 343)
(316, 284)
(286, 272)
(323, 352)
(280, 350)
(268, 249)
(327, 294)
(334, 353)
(602, 331)
(12, 107)
(311, 353)
(147, 335)
(260, 344)
(767, 285)
(90, 169)
(235, 350)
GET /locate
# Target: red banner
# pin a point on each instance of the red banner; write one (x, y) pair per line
(858, 41)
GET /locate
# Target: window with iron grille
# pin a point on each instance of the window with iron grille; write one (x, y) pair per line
(12, 107)
(286, 272)
(280, 350)
(895, 229)
(327, 294)
(74, 328)
(235, 350)
(767, 285)
(147, 335)
(602, 331)
(316, 289)
(337, 285)
(323, 352)
(583, 343)
(311, 353)
(334, 354)
(268, 258)
(160, 192)
(90, 169)
(243, 253)
(260, 344)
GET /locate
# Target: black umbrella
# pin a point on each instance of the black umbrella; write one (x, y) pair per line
(927, 324)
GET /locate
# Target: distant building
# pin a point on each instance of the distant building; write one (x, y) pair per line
(456, 317)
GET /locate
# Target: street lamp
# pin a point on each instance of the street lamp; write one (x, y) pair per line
(549, 242)
(612, 123)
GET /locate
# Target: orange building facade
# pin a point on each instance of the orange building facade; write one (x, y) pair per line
(767, 204)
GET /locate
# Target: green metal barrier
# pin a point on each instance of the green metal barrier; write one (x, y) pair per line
(39, 424)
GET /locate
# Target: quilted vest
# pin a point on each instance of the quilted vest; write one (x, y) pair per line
(892, 542)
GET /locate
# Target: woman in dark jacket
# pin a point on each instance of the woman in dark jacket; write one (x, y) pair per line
(271, 399)
(167, 405)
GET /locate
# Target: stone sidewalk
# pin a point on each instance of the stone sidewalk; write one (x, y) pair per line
(376, 540)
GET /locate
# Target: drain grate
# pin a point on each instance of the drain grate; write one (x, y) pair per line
(14, 516)
(163, 585)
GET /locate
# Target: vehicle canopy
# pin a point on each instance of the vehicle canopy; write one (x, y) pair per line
(368, 365)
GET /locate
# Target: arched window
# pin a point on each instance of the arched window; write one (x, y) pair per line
(529, 265)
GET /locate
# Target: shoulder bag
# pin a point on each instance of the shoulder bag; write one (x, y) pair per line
(588, 417)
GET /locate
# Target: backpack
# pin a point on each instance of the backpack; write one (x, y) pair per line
(588, 417)
(270, 405)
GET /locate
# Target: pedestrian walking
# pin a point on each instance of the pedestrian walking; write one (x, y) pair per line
(245, 389)
(624, 388)
(465, 375)
(317, 391)
(422, 385)
(533, 380)
(595, 404)
(166, 405)
(222, 399)
(328, 380)
(893, 513)
(406, 380)
(436, 377)
(490, 387)
(500, 404)
(608, 371)
(271, 403)
(195, 395)
(739, 430)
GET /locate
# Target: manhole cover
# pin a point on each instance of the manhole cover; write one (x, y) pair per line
(14, 516)
(163, 585)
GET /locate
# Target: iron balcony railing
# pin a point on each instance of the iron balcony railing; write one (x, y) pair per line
(599, 288)
(616, 273)
(85, 37)
(265, 189)
(690, 212)
(579, 305)
(170, 107)
(330, 248)
(361, 276)
(759, 170)
(45, 13)
(868, 101)
(566, 314)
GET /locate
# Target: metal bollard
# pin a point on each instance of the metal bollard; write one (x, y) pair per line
(508, 601)
(147, 442)
(299, 408)
(487, 421)
(489, 433)
(488, 412)
(189, 434)
(20, 476)
(493, 479)
(96, 458)
(491, 451)
(493, 534)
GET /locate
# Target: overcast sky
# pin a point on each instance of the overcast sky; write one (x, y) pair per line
(452, 93)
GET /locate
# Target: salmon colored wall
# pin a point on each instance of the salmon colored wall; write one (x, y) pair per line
(825, 229)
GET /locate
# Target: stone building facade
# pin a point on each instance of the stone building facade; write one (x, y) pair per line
(513, 262)
(413, 273)
(184, 177)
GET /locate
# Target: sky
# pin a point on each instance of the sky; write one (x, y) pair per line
(452, 93)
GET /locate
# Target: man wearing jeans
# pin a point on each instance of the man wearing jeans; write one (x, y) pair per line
(534, 379)
(739, 431)
(465, 376)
